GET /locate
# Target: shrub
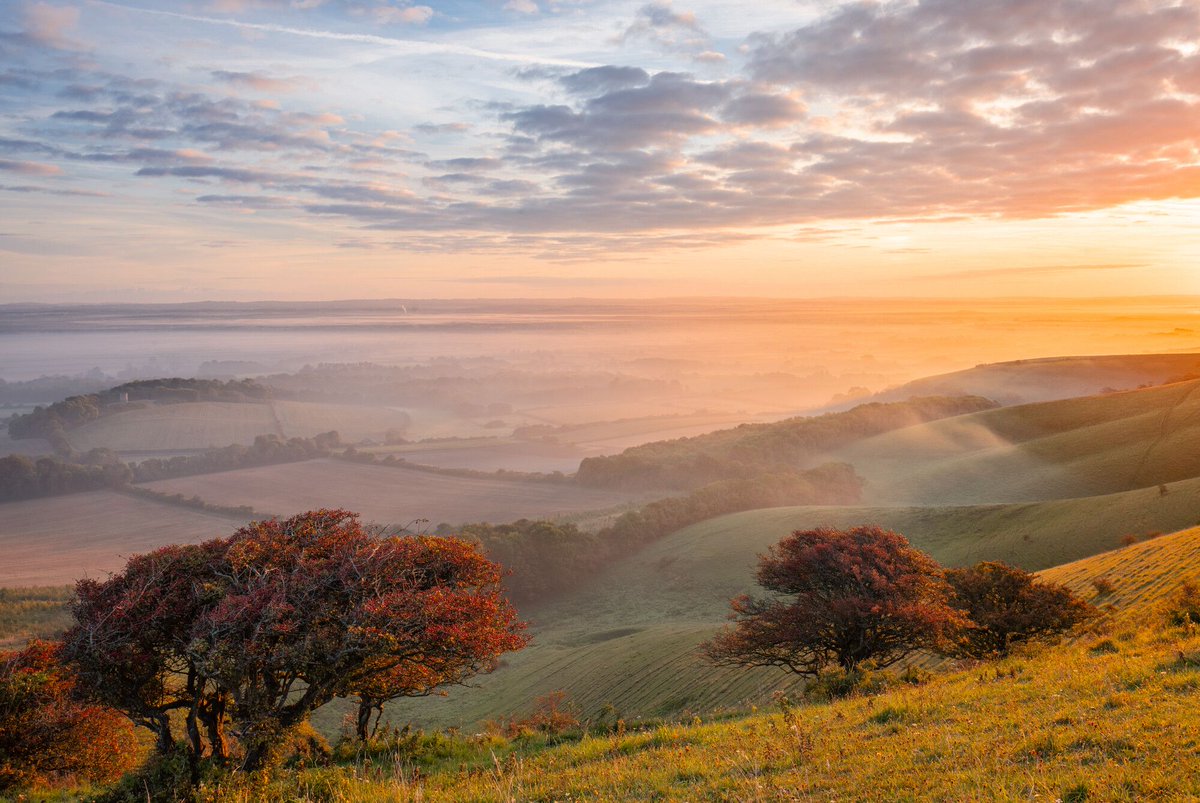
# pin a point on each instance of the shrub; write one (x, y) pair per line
(264, 627)
(46, 734)
(1006, 606)
(552, 715)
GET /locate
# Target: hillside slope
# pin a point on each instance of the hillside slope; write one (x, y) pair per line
(628, 639)
(1051, 450)
(1108, 716)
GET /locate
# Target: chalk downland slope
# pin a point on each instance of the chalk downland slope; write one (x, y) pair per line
(629, 638)
(1109, 715)
(1051, 450)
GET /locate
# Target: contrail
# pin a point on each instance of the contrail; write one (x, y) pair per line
(409, 46)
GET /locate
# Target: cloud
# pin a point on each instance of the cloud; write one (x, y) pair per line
(260, 82)
(677, 31)
(400, 15)
(522, 6)
(49, 25)
(29, 168)
(408, 47)
(606, 78)
(27, 188)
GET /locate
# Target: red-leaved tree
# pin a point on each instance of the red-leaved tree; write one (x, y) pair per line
(266, 626)
(46, 733)
(1008, 606)
(842, 597)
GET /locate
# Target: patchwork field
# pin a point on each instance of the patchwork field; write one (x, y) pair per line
(57, 540)
(387, 495)
(170, 427)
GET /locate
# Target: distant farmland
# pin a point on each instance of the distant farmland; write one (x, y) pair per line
(389, 495)
(202, 425)
(57, 540)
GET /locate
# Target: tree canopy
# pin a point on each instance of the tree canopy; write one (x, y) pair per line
(265, 626)
(1009, 606)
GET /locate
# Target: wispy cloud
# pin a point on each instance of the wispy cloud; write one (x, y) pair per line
(410, 47)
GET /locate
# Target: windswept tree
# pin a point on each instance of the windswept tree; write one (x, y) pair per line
(47, 733)
(841, 598)
(264, 627)
(1007, 606)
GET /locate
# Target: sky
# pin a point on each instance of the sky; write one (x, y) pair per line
(320, 149)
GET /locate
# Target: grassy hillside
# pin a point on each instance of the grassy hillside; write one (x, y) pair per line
(1025, 381)
(628, 639)
(1052, 450)
(1110, 716)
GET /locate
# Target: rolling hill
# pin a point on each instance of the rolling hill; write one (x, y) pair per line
(1050, 450)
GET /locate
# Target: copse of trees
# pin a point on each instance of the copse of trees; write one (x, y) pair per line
(753, 449)
(252, 633)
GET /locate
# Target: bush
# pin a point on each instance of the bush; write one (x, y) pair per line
(47, 735)
(1007, 606)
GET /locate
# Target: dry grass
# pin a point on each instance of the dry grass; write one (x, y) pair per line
(1111, 716)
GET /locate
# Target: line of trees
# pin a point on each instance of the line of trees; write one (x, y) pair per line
(23, 477)
(754, 449)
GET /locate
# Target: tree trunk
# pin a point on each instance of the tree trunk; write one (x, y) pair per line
(212, 713)
(162, 728)
(362, 727)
